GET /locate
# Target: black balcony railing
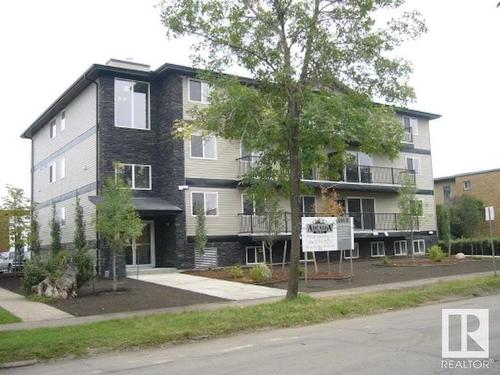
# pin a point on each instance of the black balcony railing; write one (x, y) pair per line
(376, 175)
(281, 224)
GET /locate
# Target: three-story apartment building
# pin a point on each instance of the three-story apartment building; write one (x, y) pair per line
(116, 119)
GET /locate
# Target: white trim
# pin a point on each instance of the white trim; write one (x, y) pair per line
(62, 168)
(400, 242)
(308, 196)
(133, 175)
(52, 172)
(152, 248)
(412, 122)
(202, 147)
(255, 248)
(355, 252)
(63, 119)
(377, 243)
(52, 128)
(201, 91)
(148, 114)
(419, 241)
(470, 185)
(417, 172)
(205, 202)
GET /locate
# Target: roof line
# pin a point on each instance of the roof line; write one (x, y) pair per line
(451, 177)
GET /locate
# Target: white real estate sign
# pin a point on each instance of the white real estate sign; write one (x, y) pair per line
(489, 213)
(327, 234)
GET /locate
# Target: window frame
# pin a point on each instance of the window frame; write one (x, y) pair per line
(302, 203)
(201, 91)
(148, 115)
(62, 168)
(354, 251)
(414, 130)
(419, 172)
(400, 242)
(420, 240)
(52, 172)
(202, 147)
(377, 243)
(205, 202)
(52, 128)
(62, 216)
(469, 183)
(444, 193)
(256, 249)
(63, 120)
(133, 175)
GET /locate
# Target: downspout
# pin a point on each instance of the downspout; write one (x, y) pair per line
(96, 157)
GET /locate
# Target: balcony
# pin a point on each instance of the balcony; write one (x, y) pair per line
(246, 163)
(363, 222)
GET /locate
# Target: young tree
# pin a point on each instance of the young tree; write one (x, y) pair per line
(55, 232)
(34, 236)
(273, 216)
(409, 207)
(117, 220)
(17, 208)
(316, 65)
(466, 213)
(79, 239)
(200, 239)
(444, 225)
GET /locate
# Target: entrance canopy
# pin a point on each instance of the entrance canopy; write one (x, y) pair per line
(147, 204)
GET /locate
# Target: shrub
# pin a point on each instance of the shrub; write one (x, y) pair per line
(236, 271)
(260, 273)
(35, 271)
(436, 254)
(84, 264)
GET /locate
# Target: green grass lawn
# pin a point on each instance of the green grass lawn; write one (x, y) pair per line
(49, 343)
(7, 317)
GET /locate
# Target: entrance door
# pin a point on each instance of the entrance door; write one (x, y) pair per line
(141, 251)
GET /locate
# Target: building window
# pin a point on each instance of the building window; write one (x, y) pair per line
(308, 205)
(447, 192)
(378, 248)
(418, 246)
(63, 120)
(400, 247)
(413, 164)
(62, 168)
(199, 91)
(208, 202)
(250, 207)
(131, 104)
(52, 173)
(411, 123)
(203, 147)
(62, 216)
(255, 255)
(355, 252)
(136, 176)
(52, 128)
(467, 185)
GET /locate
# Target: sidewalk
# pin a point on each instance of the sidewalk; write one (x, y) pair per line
(29, 311)
(212, 306)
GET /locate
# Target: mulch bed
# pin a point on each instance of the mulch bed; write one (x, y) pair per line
(418, 262)
(132, 295)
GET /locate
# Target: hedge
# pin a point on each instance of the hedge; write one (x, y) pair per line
(475, 246)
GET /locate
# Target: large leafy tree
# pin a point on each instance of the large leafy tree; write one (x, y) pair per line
(16, 207)
(117, 220)
(466, 214)
(316, 65)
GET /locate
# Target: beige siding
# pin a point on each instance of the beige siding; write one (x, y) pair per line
(80, 168)
(187, 105)
(423, 139)
(80, 117)
(226, 166)
(67, 231)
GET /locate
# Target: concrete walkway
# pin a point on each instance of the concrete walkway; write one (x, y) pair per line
(27, 310)
(218, 305)
(217, 288)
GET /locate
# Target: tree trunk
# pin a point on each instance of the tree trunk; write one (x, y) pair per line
(115, 283)
(295, 173)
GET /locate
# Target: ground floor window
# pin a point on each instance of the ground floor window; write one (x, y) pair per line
(400, 247)
(355, 252)
(378, 249)
(418, 246)
(255, 255)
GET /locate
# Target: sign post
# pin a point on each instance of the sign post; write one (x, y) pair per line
(490, 216)
(327, 234)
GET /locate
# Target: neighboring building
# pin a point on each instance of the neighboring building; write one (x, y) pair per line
(480, 184)
(123, 113)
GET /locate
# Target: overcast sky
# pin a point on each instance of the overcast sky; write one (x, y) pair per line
(46, 45)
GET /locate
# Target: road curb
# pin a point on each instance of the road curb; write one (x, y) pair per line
(11, 365)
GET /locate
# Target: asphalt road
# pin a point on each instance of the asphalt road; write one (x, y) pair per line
(399, 342)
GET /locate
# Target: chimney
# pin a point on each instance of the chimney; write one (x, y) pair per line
(128, 64)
